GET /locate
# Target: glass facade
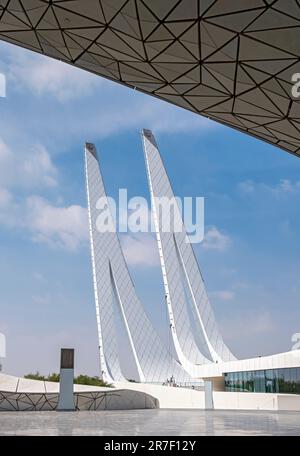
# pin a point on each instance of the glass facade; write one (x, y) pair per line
(264, 381)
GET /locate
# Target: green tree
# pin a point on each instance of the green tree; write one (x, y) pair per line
(93, 381)
(80, 379)
(35, 376)
(53, 377)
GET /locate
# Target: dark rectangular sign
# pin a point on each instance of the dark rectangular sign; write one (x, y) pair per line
(67, 358)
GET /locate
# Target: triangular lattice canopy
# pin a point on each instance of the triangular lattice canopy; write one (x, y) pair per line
(228, 60)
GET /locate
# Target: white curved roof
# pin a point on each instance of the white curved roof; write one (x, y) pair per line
(14, 384)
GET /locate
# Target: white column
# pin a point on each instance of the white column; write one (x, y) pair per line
(208, 391)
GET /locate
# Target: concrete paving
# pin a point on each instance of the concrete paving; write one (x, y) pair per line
(150, 422)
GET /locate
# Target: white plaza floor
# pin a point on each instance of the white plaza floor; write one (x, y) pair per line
(150, 422)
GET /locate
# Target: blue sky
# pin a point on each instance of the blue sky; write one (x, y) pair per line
(250, 258)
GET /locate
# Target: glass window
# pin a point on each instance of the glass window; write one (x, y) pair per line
(298, 381)
(238, 381)
(262, 381)
(259, 381)
(281, 385)
(251, 381)
(241, 381)
(293, 373)
(270, 381)
(228, 382)
(269, 376)
(287, 375)
(287, 380)
(235, 381)
(247, 381)
(275, 381)
(232, 381)
(255, 382)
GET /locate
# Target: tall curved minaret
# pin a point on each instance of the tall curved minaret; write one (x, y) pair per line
(116, 298)
(195, 333)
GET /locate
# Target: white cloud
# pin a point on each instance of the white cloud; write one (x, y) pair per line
(284, 186)
(9, 209)
(140, 250)
(5, 152)
(58, 226)
(5, 197)
(118, 109)
(223, 295)
(41, 300)
(122, 110)
(215, 240)
(39, 277)
(246, 186)
(27, 168)
(39, 168)
(164, 118)
(42, 75)
(257, 323)
(263, 323)
(286, 228)
(65, 227)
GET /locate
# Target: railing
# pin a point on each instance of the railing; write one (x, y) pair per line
(198, 386)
